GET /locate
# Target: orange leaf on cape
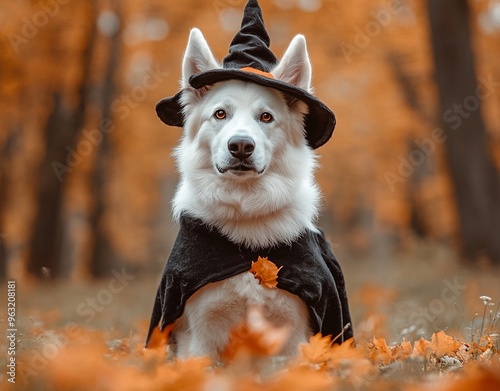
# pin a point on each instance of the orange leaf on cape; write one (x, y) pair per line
(266, 272)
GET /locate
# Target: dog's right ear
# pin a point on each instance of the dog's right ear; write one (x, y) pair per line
(197, 58)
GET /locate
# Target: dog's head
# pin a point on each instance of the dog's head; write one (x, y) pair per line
(240, 128)
(244, 158)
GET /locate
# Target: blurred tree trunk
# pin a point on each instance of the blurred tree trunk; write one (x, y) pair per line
(62, 129)
(475, 178)
(104, 259)
(418, 221)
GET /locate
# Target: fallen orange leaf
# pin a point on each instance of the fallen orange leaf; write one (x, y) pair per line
(347, 351)
(443, 344)
(346, 361)
(159, 338)
(266, 272)
(421, 348)
(318, 350)
(254, 337)
(401, 352)
(379, 351)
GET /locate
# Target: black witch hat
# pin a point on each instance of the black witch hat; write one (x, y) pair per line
(250, 59)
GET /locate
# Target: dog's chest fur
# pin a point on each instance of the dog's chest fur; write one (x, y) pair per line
(215, 309)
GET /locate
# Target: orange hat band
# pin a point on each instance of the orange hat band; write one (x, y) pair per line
(258, 72)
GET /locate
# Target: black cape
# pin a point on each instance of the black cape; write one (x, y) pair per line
(202, 255)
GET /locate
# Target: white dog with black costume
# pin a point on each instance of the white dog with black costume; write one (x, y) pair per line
(246, 169)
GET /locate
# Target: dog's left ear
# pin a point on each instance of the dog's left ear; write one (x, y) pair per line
(295, 67)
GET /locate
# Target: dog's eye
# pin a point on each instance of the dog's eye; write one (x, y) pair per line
(220, 114)
(266, 117)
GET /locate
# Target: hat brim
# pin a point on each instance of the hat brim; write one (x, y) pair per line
(170, 110)
(319, 122)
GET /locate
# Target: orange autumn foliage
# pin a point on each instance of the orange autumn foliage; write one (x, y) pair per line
(379, 352)
(266, 272)
(88, 360)
(397, 61)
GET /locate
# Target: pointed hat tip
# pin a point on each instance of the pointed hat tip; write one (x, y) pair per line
(250, 46)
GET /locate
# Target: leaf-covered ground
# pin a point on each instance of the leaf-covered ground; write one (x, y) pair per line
(85, 337)
(82, 359)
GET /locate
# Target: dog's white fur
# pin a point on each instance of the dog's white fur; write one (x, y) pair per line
(271, 203)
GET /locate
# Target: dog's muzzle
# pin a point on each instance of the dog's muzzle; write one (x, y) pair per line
(241, 149)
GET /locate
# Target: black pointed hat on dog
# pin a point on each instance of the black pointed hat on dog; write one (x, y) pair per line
(250, 59)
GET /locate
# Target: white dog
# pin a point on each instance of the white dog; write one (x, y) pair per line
(246, 173)
(267, 198)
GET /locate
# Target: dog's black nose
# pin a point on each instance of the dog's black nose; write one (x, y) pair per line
(241, 147)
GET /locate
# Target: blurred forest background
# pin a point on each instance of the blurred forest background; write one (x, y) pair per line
(86, 173)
